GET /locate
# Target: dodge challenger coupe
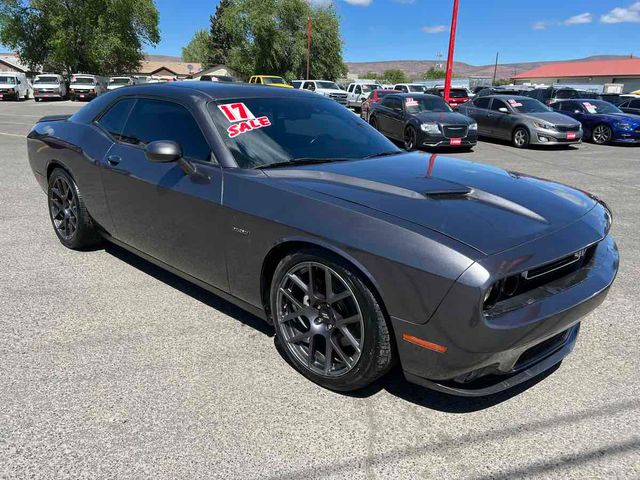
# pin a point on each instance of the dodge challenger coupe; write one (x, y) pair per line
(361, 255)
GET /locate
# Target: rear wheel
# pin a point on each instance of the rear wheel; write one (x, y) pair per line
(520, 138)
(328, 322)
(602, 134)
(410, 138)
(69, 216)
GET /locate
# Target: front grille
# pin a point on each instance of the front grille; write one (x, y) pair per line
(454, 131)
(567, 128)
(541, 350)
(338, 97)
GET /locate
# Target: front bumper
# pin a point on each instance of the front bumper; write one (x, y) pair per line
(6, 95)
(39, 94)
(626, 136)
(80, 95)
(439, 140)
(551, 137)
(485, 353)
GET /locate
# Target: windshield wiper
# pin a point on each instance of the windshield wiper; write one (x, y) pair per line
(383, 154)
(301, 161)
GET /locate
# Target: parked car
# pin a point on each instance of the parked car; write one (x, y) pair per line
(375, 97)
(15, 86)
(522, 120)
(119, 82)
(630, 105)
(506, 90)
(548, 95)
(472, 278)
(603, 122)
(410, 88)
(420, 120)
(297, 83)
(269, 80)
(86, 87)
(217, 78)
(325, 88)
(357, 93)
(457, 95)
(49, 86)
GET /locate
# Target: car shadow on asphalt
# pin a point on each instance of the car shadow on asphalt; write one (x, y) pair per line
(549, 148)
(188, 288)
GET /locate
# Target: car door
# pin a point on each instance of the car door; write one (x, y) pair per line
(479, 111)
(383, 113)
(499, 119)
(396, 118)
(157, 208)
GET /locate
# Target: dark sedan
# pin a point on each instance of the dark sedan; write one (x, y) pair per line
(603, 122)
(360, 255)
(421, 120)
(522, 120)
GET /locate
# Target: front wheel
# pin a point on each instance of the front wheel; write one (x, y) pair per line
(602, 134)
(69, 216)
(410, 138)
(520, 138)
(328, 322)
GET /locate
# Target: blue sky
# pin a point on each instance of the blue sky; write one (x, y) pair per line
(418, 29)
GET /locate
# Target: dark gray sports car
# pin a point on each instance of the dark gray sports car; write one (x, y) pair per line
(359, 254)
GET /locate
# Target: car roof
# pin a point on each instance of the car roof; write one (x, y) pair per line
(515, 97)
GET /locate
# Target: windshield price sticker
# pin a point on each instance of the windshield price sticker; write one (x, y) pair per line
(411, 102)
(590, 107)
(246, 121)
(514, 103)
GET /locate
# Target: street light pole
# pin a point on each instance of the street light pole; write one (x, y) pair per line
(495, 70)
(452, 43)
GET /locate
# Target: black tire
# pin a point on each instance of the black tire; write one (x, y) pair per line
(520, 138)
(69, 216)
(376, 355)
(410, 138)
(601, 134)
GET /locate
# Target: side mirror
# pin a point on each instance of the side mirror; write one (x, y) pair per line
(163, 151)
(503, 110)
(577, 111)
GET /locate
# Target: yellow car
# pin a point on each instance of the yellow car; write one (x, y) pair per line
(270, 80)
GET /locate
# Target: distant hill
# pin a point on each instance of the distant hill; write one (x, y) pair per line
(415, 68)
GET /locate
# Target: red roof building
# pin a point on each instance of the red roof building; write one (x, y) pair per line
(597, 72)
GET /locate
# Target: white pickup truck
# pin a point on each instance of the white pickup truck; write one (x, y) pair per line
(359, 92)
(323, 87)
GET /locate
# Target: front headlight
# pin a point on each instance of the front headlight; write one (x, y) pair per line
(544, 126)
(473, 126)
(624, 125)
(430, 127)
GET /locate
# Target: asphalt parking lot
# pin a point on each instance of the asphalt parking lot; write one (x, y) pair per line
(112, 368)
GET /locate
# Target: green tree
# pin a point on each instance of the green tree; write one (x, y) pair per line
(434, 74)
(93, 36)
(197, 50)
(395, 76)
(371, 75)
(220, 39)
(270, 37)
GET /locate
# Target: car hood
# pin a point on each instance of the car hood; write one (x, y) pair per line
(552, 117)
(481, 206)
(330, 90)
(618, 117)
(447, 118)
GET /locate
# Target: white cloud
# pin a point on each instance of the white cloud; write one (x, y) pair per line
(540, 25)
(360, 3)
(623, 15)
(579, 19)
(434, 29)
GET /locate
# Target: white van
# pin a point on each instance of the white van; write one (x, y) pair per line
(119, 82)
(86, 87)
(14, 85)
(49, 85)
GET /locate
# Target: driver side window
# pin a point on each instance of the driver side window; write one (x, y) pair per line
(497, 104)
(358, 90)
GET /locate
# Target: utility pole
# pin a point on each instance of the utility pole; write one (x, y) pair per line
(495, 70)
(452, 44)
(308, 47)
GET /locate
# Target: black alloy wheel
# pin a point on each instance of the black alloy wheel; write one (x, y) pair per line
(329, 323)
(410, 138)
(69, 217)
(601, 134)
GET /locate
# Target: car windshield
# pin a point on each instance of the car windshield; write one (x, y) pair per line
(457, 93)
(40, 80)
(416, 88)
(83, 81)
(527, 105)
(271, 80)
(119, 81)
(9, 80)
(426, 104)
(328, 85)
(264, 131)
(599, 107)
(566, 94)
(369, 87)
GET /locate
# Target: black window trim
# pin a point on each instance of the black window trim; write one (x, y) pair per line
(212, 155)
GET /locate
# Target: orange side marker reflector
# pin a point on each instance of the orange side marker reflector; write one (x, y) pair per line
(423, 343)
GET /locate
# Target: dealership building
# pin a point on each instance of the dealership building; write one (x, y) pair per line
(596, 73)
